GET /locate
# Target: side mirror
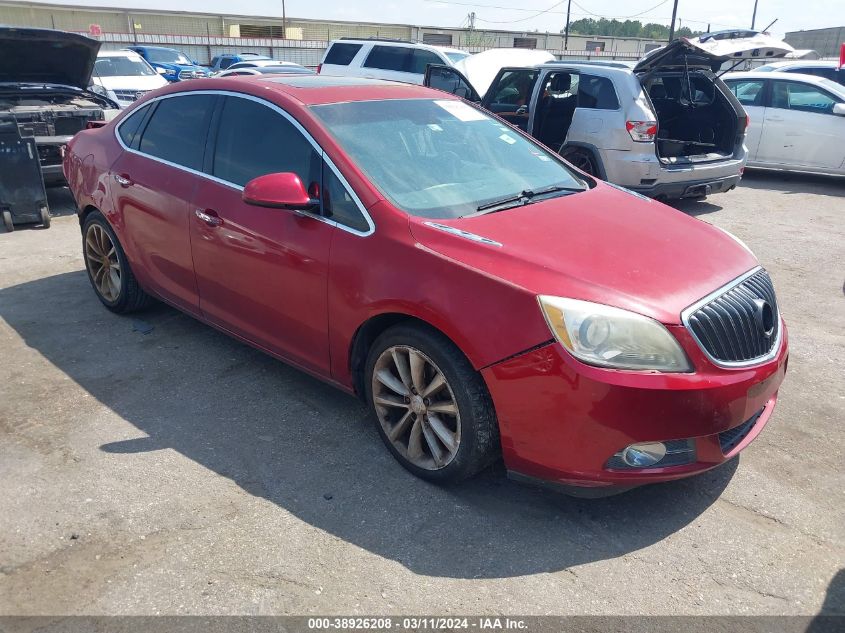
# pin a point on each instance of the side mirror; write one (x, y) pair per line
(839, 109)
(279, 191)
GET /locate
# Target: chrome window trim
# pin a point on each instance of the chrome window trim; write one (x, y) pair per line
(717, 293)
(232, 185)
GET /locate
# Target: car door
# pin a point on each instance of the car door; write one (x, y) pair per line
(261, 272)
(510, 94)
(800, 128)
(751, 94)
(153, 185)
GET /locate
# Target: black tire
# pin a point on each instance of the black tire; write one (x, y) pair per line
(45, 217)
(131, 297)
(582, 159)
(478, 446)
(7, 221)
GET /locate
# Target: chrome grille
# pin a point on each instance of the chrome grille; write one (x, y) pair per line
(731, 327)
(129, 95)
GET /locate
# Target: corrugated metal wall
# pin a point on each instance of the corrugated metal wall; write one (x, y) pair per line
(204, 36)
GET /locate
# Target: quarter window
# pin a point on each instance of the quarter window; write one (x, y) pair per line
(342, 54)
(129, 129)
(396, 58)
(597, 93)
(749, 92)
(254, 140)
(338, 203)
(178, 129)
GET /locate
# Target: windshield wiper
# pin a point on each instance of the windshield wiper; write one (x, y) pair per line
(521, 198)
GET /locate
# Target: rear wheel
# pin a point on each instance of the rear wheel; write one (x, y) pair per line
(432, 408)
(108, 269)
(582, 159)
(7, 221)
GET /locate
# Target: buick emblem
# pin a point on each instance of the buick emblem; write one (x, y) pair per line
(764, 315)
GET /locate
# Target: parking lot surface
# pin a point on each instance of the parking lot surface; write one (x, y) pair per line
(150, 464)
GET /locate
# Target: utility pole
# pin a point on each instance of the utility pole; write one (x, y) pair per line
(284, 22)
(566, 34)
(754, 15)
(672, 25)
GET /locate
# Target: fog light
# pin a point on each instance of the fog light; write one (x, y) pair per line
(645, 454)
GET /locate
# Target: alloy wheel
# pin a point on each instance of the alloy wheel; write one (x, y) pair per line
(103, 263)
(416, 407)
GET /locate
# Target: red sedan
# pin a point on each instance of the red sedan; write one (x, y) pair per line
(485, 298)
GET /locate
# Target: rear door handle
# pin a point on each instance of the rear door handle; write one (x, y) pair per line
(209, 216)
(123, 180)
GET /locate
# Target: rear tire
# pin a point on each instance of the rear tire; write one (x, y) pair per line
(45, 217)
(7, 221)
(431, 408)
(582, 159)
(108, 269)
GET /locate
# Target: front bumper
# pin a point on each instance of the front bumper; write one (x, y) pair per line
(561, 421)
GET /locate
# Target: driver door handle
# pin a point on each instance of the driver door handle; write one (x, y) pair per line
(123, 180)
(209, 216)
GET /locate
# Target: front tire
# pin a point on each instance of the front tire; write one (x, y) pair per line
(432, 409)
(108, 269)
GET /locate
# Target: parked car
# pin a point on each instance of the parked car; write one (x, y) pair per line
(666, 127)
(384, 59)
(125, 76)
(820, 68)
(288, 69)
(44, 84)
(223, 62)
(485, 298)
(170, 63)
(797, 121)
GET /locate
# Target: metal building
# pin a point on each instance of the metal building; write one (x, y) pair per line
(825, 42)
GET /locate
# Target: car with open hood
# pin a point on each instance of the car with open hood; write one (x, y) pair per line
(666, 127)
(485, 299)
(45, 76)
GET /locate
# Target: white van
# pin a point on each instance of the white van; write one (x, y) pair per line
(385, 59)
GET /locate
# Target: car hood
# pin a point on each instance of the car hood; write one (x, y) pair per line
(46, 56)
(481, 69)
(604, 245)
(131, 82)
(712, 50)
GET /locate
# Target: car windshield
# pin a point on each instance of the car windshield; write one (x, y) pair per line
(167, 56)
(441, 158)
(456, 57)
(120, 66)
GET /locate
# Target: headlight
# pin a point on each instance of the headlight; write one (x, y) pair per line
(610, 337)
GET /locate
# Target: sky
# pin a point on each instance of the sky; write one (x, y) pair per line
(543, 15)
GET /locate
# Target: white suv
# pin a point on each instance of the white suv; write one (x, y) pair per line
(666, 127)
(385, 59)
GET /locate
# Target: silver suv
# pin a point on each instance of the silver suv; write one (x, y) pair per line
(666, 127)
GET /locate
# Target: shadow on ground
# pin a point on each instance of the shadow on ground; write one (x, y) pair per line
(790, 183)
(313, 451)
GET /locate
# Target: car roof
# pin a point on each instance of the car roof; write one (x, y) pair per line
(809, 79)
(793, 63)
(315, 89)
(124, 52)
(390, 42)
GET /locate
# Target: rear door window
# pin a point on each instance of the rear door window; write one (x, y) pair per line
(254, 140)
(178, 129)
(422, 58)
(342, 54)
(597, 93)
(396, 58)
